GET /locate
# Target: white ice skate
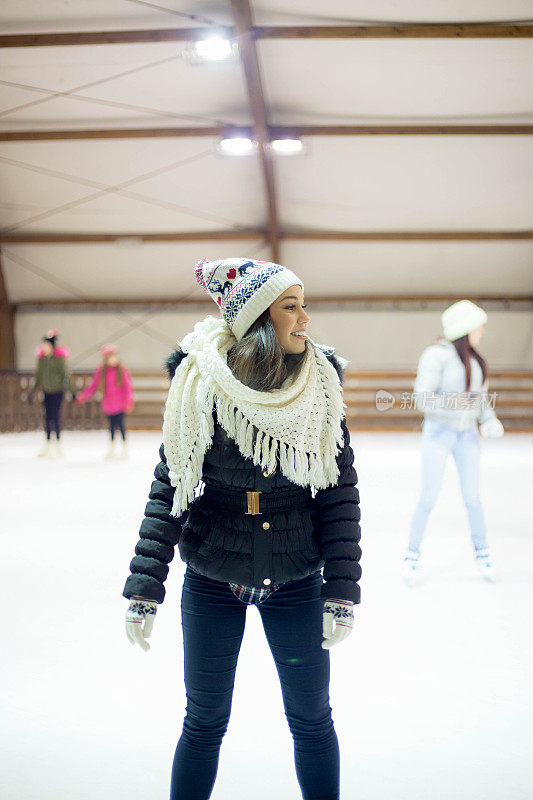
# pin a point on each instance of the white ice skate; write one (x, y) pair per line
(411, 567)
(57, 452)
(485, 566)
(112, 452)
(46, 452)
(124, 453)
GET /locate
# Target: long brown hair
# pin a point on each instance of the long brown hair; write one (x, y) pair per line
(118, 375)
(465, 351)
(259, 361)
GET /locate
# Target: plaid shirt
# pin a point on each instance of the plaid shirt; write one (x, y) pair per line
(252, 594)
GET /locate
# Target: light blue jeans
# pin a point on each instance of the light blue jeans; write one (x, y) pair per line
(437, 442)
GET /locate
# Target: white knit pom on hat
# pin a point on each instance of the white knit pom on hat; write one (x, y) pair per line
(243, 288)
(461, 318)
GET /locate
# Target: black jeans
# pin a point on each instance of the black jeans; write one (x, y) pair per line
(52, 410)
(116, 422)
(213, 620)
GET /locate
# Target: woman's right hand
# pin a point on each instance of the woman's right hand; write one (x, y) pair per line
(140, 620)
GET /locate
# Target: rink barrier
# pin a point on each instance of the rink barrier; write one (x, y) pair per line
(513, 388)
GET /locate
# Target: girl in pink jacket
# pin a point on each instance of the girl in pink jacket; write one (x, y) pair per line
(113, 380)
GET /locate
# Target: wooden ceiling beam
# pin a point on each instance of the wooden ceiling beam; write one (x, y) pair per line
(410, 30)
(242, 15)
(74, 38)
(115, 133)
(259, 235)
(274, 132)
(413, 129)
(405, 236)
(490, 30)
(132, 238)
(201, 299)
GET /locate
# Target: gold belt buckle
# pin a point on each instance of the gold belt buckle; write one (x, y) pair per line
(253, 502)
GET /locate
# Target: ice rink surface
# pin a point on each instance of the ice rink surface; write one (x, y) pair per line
(431, 694)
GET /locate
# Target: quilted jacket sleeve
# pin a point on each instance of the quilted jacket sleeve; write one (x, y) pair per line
(91, 388)
(159, 534)
(38, 379)
(339, 530)
(427, 388)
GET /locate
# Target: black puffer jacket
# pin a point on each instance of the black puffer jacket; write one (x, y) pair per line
(273, 547)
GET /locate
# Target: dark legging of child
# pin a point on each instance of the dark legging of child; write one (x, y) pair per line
(213, 621)
(52, 410)
(116, 422)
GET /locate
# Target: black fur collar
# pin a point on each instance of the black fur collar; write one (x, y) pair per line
(173, 361)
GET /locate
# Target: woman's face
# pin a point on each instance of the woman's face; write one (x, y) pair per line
(47, 348)
(288, 316)
(474, 337)
(112, 360)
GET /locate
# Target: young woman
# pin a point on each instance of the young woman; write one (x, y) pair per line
(113, 380)
(255, 411)
(451, 388)
(52, 376)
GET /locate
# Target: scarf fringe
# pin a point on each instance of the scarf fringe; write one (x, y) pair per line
(257, 447)
(200, 384)
(303, 469)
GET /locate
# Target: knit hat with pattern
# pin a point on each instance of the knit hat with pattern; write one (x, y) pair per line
(243, 288)
(461, 318)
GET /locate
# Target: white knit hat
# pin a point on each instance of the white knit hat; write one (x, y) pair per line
(461, 318)
(243, 288)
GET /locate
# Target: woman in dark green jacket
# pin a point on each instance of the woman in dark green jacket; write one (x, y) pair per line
(53, 377)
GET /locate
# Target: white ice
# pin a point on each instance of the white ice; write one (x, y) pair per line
(431, 694)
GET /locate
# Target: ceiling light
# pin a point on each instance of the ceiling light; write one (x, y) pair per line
(287, 147)
(213, 49)
(236, 146)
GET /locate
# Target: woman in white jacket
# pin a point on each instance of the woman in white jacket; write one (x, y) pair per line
(451, 389)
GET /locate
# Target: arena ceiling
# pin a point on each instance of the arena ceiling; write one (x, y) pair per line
(416, 119)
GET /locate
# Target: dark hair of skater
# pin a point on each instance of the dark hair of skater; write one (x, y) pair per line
(259, 361)
(465, 351)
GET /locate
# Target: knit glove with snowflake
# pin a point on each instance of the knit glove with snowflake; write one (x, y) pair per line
(340, 611)
(140, 620)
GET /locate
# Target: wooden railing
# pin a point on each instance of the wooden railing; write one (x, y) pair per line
(510, 393)
(513, 400)
(16, 413)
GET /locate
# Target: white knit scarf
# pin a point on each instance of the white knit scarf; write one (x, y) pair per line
(298, 425)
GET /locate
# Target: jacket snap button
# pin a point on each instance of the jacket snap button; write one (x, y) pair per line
(266, 525)
(267, 581)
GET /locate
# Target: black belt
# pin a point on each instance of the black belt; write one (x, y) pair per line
(257, 502)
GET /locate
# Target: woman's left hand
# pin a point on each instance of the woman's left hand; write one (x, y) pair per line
(342, 612)
(491, 429)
